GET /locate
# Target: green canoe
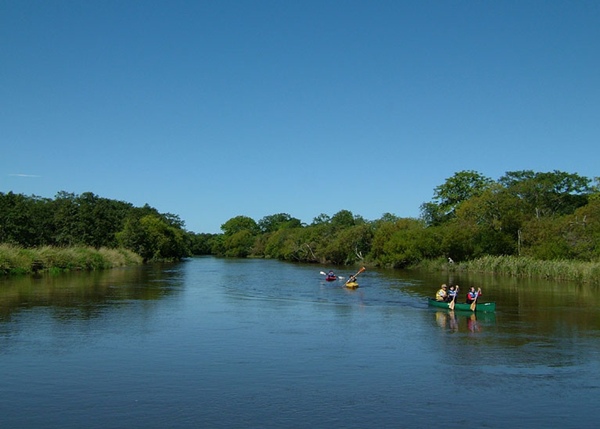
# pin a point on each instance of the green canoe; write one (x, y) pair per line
(488, 307)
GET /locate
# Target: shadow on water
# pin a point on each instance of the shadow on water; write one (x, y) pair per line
(85, 294)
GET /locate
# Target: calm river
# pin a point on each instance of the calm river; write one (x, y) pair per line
(214, 343)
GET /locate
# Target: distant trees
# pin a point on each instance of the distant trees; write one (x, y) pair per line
(89, 220)
(550, 215)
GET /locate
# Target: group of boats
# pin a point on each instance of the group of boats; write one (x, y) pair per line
(483, 307)
(351, 283)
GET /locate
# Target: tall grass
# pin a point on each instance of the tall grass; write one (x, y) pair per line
(18, 260)
(515, 266)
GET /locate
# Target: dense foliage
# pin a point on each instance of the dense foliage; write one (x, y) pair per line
(542, 216)
(87, 220)
(546, 216)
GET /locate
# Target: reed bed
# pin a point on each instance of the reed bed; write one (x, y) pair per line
(18, 260)
(525, 267)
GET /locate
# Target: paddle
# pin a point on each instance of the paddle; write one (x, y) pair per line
(353, 278)
(474, 303)
(451, 305)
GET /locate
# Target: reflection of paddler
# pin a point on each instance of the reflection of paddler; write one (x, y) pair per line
(441, 319)
(453, 321)
(472, 323)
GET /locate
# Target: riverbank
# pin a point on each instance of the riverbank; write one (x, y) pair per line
(523, 267)
(18, 260)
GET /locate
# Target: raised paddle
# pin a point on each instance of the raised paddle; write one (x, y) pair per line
(352, 278)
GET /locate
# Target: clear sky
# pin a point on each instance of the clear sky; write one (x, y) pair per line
(214, 109)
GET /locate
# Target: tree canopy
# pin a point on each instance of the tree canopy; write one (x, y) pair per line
(547, 215)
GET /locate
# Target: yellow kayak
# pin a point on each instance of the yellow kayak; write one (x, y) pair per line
(351, 285)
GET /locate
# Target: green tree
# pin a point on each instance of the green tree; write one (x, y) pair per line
(275, 222)
(153, 238)
(239, 244)
(239, 234)
(549, 193)
(321, 219)
(240, 223)
(448, 196)
(343, 219)
(24, 221)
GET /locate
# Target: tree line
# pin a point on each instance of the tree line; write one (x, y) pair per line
(541, 215)
(547, 216)
(71, 220)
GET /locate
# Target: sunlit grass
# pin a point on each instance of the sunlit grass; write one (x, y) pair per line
(584, 272)
(17, 260)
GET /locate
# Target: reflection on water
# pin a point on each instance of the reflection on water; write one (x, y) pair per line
(461, 321)
(227, 343)
(85, 294)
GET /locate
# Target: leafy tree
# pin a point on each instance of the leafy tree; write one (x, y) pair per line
(240, 223)
(448, 196)
(349, 245)
(321, 219)
(239, 233)
(492, 220)
(582, 231)
(387, 218)
(201, 243)
(342, 219)
(239, 244)
(547, 194)
(275, 222)
(24, 220)
(153, 238)
(403, 246)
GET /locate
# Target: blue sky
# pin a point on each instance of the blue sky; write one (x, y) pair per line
(214, 109)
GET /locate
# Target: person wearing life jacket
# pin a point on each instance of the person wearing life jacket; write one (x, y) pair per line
(472, 295)
(442, 294)
(452, 293)
(331, 275)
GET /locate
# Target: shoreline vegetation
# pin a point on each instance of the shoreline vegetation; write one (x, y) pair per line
(15, 260)
(526, 224)
(521, 267)
(20, 260)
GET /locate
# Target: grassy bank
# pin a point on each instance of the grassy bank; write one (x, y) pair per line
(584, 272)
(18, 260)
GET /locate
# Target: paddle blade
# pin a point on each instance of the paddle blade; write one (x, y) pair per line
(473, 305)
(451, 305)
(322, 273)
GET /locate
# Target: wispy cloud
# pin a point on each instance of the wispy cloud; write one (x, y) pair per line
(23, 175)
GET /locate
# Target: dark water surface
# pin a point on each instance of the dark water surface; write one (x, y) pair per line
(212, 343)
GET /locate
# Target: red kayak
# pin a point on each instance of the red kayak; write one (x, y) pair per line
(330, 278)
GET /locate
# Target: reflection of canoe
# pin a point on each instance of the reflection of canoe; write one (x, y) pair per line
(351, 285)
(330, 278)
(460, 306)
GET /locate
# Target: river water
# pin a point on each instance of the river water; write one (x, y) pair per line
(219, 343)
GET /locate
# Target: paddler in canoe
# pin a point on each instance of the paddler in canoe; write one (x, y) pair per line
(472, 295)
(472, 301)
(442, 294)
